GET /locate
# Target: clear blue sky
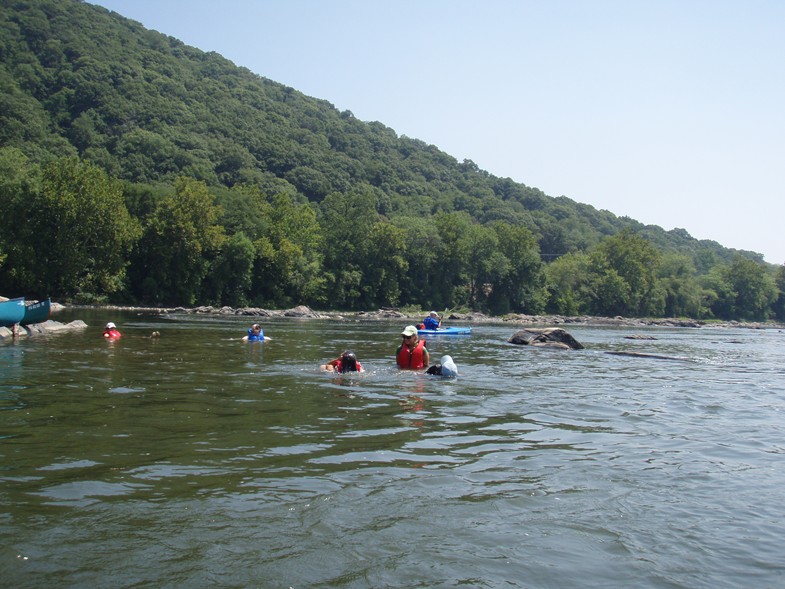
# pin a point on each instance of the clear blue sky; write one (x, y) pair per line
(671, 112)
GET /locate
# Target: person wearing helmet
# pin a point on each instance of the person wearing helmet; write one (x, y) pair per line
(111, 331)
(346, 362)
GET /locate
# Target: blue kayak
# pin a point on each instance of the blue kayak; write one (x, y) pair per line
(445, 331)
(12, 312)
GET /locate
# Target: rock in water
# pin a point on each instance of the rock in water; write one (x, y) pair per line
(554, 337)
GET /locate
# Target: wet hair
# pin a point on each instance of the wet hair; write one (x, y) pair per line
(348, 362)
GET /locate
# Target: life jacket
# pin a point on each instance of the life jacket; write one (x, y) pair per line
(414, 359)
(254, 337)
(112, 334)
(430, 323)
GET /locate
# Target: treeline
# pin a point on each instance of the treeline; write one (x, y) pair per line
(73, 231)
(137, 169)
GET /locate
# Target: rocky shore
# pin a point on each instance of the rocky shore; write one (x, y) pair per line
(304, 312)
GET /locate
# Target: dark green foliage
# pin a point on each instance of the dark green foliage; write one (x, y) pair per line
(180, 243)
(626, 267)
(743, 289)
(779, 304)
(248, 191)
(67, 230)
(683, 295)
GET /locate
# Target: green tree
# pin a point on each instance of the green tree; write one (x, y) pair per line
(347, 220)
(522, 287)
(567, 284)
(76, 244)
(289, 264)
(683, 295)
(453, 258)
(231, 276)
(421, 286)
(485, 264)
(386, 265)
(754, 287)
(180, 242)
(612, 294)
(719, 297)
(779, 304)
(18, 178)
(625, 267)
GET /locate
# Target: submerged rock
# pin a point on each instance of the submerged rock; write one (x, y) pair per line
(644, 355)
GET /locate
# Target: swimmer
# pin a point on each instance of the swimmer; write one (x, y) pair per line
(446, 368)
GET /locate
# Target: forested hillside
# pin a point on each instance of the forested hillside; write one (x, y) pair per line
(136, 169)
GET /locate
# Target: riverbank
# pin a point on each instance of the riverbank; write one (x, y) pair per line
(304, 312)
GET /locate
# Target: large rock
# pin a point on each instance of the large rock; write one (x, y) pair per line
(551, 337)
(300, 311)
(48, 326)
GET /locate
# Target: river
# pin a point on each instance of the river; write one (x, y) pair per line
(196, 460)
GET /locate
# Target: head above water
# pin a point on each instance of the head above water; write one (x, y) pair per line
(111, 325)
(348, 361)
(448, 366)
(409, 331)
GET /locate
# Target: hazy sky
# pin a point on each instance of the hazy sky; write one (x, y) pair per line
(671, 112)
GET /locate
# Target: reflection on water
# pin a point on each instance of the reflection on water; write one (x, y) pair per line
(196, 459)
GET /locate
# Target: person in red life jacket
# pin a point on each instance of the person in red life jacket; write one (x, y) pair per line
(111, 331)
(346, 362)
(412, 355)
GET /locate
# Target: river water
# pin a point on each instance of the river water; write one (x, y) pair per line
(197, 460)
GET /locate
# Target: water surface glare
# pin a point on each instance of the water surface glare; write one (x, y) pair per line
(197, 460)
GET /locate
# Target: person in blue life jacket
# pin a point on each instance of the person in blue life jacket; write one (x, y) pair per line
(432, 321)
(255, 334)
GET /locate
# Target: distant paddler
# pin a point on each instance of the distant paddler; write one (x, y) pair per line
(432, 321)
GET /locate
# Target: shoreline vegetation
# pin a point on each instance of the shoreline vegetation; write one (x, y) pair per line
(386, 314)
